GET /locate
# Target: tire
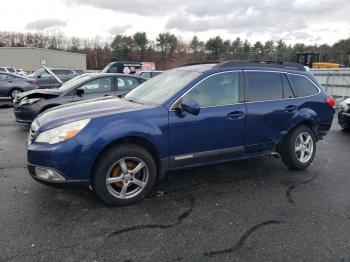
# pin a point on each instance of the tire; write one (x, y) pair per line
(15, 91)
(293, 149)
(110, 168)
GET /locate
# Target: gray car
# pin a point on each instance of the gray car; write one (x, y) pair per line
(29, 104)
(46, 80)
(12, 84)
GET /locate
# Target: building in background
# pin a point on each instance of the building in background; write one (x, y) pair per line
(31, 59)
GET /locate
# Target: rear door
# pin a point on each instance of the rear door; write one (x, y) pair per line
(100, 87)
(270, 108)
(124, 84)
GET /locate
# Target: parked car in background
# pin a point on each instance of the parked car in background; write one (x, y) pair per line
(29, 104)
(149, 74)
(122, 67)
(47, 80)
(20, 72)
(8, 69)
(11, 84)
(189, 116)
(344, 114)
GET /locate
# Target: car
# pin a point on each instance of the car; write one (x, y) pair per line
(28, 105)
(344, 114)
(185, 117)
(149, 74)
(12, 85)
(122, 67)
(45, 78)
(20, 72)
(5, 69)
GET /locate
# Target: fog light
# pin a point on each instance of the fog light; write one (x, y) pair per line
(48, 174)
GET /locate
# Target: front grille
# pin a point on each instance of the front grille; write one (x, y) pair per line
(33, 128)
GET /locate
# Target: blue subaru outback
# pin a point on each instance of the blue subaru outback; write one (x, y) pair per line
(185, 117)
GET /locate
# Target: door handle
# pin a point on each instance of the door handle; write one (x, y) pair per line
(291, 108)
(236, 115)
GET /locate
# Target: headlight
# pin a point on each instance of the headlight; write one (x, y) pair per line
(62, 133)
(27, 102)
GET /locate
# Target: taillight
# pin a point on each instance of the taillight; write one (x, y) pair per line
(32, 82)
(330, 101)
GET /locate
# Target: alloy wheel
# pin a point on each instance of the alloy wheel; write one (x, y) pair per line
(304, 147)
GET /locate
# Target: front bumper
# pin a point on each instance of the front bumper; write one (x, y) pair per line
(54, 183)
(70, 159)
(26, 114)
(344, 119)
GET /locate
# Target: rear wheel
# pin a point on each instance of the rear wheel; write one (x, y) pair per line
(299, 148)
(124, 175)
(14, 92)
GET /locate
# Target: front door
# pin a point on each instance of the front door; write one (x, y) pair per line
(101, 87)
(218, 131)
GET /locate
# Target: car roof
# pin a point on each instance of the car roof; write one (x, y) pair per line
(246, 65)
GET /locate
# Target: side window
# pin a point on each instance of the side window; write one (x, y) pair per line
(113, 69)
(263, 86)
(146, 75)
(217, 90)
(62, 72)
(155, 73)
(98, 86)
(287, 88)
(44, 74)
(303, 86)
(2, 70)
(127, 83)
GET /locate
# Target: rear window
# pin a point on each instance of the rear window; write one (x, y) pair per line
(263, 86)
(303, 86)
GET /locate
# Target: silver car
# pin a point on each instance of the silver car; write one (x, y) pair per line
(12, 84)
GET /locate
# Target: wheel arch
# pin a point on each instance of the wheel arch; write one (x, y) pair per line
(136, 140)
(13, 88)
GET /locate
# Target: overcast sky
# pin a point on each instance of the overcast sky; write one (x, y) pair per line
(310, 21)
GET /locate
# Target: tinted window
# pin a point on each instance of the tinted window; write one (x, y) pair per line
(146, 75)
(113, 69)
(220, 89)
(11, 70)
(98, 85)
(155, 73)
(62, 72)
(287, 88)
(127, 83)
(303, 86)
(2, 70)
(262, 86)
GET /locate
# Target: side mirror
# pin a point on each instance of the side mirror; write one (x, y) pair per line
(80, 91)
(190, 106)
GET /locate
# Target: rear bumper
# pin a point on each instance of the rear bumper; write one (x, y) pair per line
(26, 114)
(344, 119)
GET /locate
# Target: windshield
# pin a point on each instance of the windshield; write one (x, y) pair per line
(72, 83)
(159, 89)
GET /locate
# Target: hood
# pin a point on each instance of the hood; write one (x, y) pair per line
(40, 93)
(86, 109)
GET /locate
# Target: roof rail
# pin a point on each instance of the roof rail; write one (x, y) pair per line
(269, 63)
(202, 63)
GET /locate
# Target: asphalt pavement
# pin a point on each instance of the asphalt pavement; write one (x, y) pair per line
(254, 210)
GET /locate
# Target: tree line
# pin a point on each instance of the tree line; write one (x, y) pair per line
(169, 51)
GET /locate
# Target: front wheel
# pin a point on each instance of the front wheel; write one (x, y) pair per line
(14, 92)
(299, 148)
(124, 175)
